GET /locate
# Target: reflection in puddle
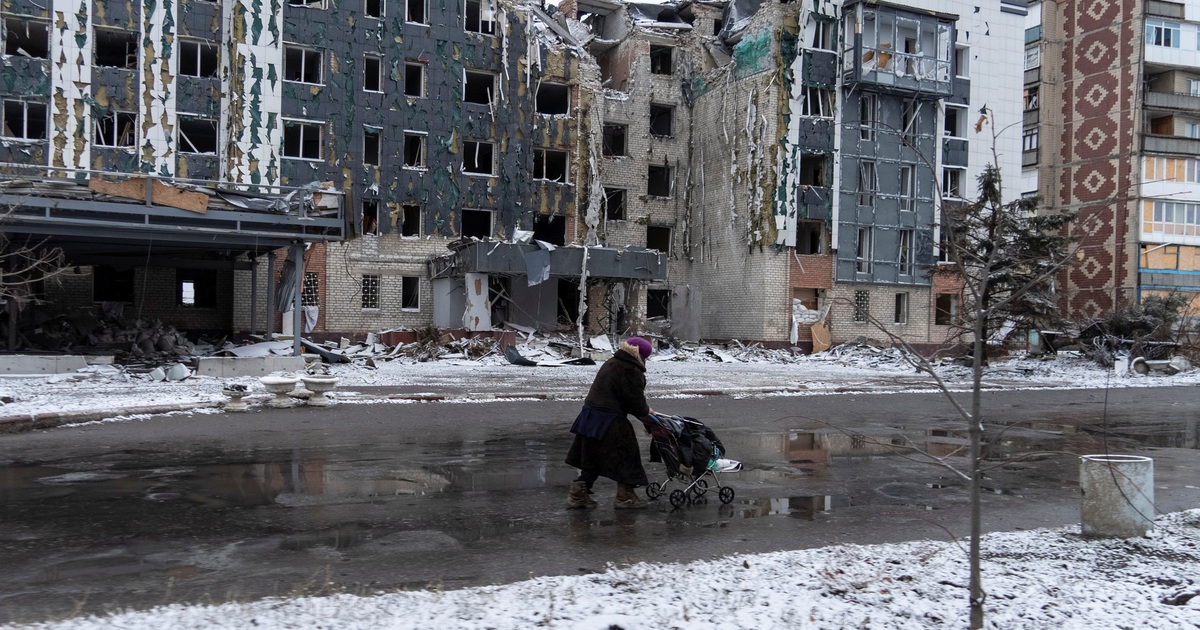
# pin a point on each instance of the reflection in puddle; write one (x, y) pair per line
(802, 507)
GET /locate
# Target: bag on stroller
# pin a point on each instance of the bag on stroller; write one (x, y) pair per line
(689, 450)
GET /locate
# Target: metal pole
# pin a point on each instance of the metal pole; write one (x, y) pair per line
(270, 295)
(253, 296)
(298, 265)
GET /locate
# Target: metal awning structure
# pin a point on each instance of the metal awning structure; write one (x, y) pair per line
(504, 258)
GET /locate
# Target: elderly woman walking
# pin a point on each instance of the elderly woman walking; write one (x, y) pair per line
(605, 442)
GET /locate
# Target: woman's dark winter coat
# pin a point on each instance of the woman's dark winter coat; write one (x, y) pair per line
(619, 389)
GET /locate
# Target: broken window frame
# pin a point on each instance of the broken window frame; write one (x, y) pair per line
(473, 17)
(952, 182)
(471, 86)
(368, 220)
(309, 59)
(868, 116)
(115, 129)
(376, 76)
(908, 187)
(14, 37)
(372, 155)
(900, 312)
(378, 11)
(868, 183)
(106, 40)
(184, 140)
(416, 11)
(418, 160)
(410, 294)
(419, 68)
(824, 32)
(658, 111)
(471, 162)
(610, 135)
(962, 61)
(658, 237)
(26, 132)
(818, 102)
(306, 128)
(547, 162)
(862, 306)
(910, 113)
(810, 237)
(476, 215)
(193, 54)
(945, 309)
(410, 221)
(1030, 99)
(653, 190)
(614, 193)
(371, 288)
(553, 99)
(955, 126)
(906, 254)
(662, 59)
(864, 256)
(658, 303)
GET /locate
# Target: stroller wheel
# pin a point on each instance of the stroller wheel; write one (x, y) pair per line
(654, 490)
(700, 487)
(678, 498)
(726, 495)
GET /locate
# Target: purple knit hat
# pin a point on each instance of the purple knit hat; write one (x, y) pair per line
(643, 346)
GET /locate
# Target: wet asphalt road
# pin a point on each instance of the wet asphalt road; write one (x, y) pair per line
(366, 498)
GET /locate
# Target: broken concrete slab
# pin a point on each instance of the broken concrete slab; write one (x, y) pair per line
(227, 367)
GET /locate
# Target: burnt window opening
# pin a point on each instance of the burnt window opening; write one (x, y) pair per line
(614, 140)
(658, 238)
(415, 11)
(476, 223)
(550, 165)
(302, 139)
(371, 147)
(374, 8)
(477, 158)
(370, 291)
(662, 120)
(550, 228)
(814, 170)
(26, 37)
(370, 216)
(310, 295)
(810, 237)
(478, 87)
(115, 49)
(198, 59)
(111, 285)
(414, 79)
(410, 220)
(553, 99)
(661, 59)
(658, 181)
(658, 303)
(614, 204)
(414, 150)
(410, 293)
(115, 129)
(197, 135)
(372, 73)
(481, 16)
(196, 288)
(24, 120)
(302, 65)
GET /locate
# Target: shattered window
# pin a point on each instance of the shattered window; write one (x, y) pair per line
(371, 147)
(414, 150)
(197, 135)
(480, 17)
(952, 180)
(817, 102)
(372, 73)
(302, 65)
(867, 108)
(661, 59)
(906, 254)
(614, 140)
(658, 238)
(410, 221)
(658, 303)
(907, 188)
(302, 139)
(477, 158)
(414, 79)
(478, 87)
(662, 120)
(198, 59)
(614, 204)
(24, 120)
(945, 309)
(116, 49)
(374, 8)
(658, 181)
(553, 99)
(550, 165)
(410, 293)
(865, 252)
(824, 33)
(862, 305)
(26, 37)
(115, 129)
(956, 122)
(476, 223)
(370, 216)
(311, 293)
(868, 183)
(900, 314)
(370, 291)
(415, 11)
(909, 122)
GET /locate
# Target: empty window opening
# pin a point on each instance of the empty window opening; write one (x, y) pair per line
(661, 59)
(553, 98)
(481, 17)
(824, 33)
(550, 165)
(814, 170)
(374, 8)
(718, 26)
(810, 237)
(818, 102)
(476, 223)
(956, 122)
(862, 306)
(196, 288)
(900, 313)
(415, 11)
(1031, 97)
(414, 79)
(865, 253)
(198, 59)
(310, 295)
(370, 291)
(24, 120)
(302, 139)
(867, 183)
(867, 108)
(658, 181)
(26, 37)
(962, 61)
(478, 87)
(197, 135)
(371, 147)
(907, 188)
(410, 220)
(499, 297)
(370, 216)
(568, 300)
(945, 309)
(410, 293)
(658, 303)
(614, 204)
(414, 150)
(662, 120)
(302, 65)
(658, 238)
(907, 254)
(477, 158)
(111, 285)
(116, 49)
(115, 129)
(550, 228)
(372, 73)
(908, 121)
(614, 140)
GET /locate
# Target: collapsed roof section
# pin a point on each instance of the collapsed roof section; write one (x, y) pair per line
(539, 261)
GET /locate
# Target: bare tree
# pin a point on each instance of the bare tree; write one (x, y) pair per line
(25, 263)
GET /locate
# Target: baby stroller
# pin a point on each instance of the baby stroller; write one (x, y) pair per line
(690, 451)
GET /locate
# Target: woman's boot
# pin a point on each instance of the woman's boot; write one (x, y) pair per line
(578, 498)
(627, 498)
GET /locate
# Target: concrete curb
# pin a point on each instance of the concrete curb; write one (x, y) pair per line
(49, 420)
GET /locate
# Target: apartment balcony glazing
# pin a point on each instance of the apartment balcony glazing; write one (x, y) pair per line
(892, 49)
